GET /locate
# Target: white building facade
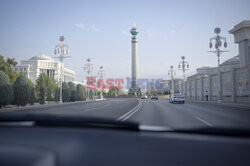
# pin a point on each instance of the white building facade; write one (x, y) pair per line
(33, 67)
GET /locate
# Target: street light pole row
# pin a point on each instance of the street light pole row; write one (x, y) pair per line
(88, 68)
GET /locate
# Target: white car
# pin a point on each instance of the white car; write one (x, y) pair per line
(177, 98)
(144, 96)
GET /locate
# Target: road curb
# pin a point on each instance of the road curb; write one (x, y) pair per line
(29, 107)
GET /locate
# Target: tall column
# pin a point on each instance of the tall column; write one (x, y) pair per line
(134, 71)
(210, 94)
(202, 88)
(233, 81)
(195, 88)
(190, 89)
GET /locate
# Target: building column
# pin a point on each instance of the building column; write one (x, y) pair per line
(210, 87)
(233, 81)
(195, 88)
(220, 95)
(190, 89)
(202, 89)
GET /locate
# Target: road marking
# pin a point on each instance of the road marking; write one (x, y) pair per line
(202, 120)
(130, 113)
(90, 109)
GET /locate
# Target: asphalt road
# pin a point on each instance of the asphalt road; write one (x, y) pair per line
(153, 112)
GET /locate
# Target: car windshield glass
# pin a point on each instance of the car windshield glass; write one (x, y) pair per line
(175, 64)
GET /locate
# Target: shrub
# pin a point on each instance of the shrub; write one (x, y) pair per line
(48, 94)
(79, 92)
(6, 90)
(66, 93)
(57, 94)
(72, 91)
(42, 93)
(21, 91)
(32, 96)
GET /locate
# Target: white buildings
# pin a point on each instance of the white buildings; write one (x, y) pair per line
(43, 63)
(224, 67)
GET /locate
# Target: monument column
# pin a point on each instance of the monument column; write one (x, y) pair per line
(134, 71)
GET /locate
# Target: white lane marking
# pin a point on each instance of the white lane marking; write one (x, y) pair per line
(202, 120)
(90, 109)
(131, 112)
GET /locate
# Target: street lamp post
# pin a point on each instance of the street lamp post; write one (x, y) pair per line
(171, 72)
(88, 68)
(183, 65)
(218, 43)
(63, 50)
(101, 74)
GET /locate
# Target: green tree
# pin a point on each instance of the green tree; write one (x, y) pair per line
(57, 94)
(42, 93)
(72, 91)
(48, 94)
(21, 91)
(66, 93)
(32, 96)
(7, 67)
(49, 84)
(32, 92)
(79, 92)
(6, 95)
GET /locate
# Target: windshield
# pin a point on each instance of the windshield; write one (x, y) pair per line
(122, 61)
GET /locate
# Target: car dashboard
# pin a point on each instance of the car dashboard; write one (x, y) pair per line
(63, 146)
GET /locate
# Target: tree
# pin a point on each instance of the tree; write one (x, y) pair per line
(66, 93)
(7, 67)
(32, 96)
(72, 91)
(48, 94)
(42, 93)
(21, 91)
(79, 92)
(49, 84)
(32, 92)
(57, 94)
(6, 95)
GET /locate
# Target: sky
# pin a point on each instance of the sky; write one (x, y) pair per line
(99, 30)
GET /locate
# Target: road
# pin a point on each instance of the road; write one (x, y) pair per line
(154, 112)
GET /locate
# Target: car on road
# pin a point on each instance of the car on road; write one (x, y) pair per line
(144, 96)
(177, 98)
(154, 96)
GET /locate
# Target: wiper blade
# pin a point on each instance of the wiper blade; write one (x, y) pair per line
(65, 121)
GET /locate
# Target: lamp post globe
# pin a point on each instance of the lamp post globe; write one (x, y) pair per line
(61, 38)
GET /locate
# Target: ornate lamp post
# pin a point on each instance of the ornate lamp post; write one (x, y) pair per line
(88, 68)
(101, 74)
(183, 65)
(218, 43)
(172, 73)
(63, 50)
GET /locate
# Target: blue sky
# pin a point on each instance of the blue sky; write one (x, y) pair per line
(100, 30)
